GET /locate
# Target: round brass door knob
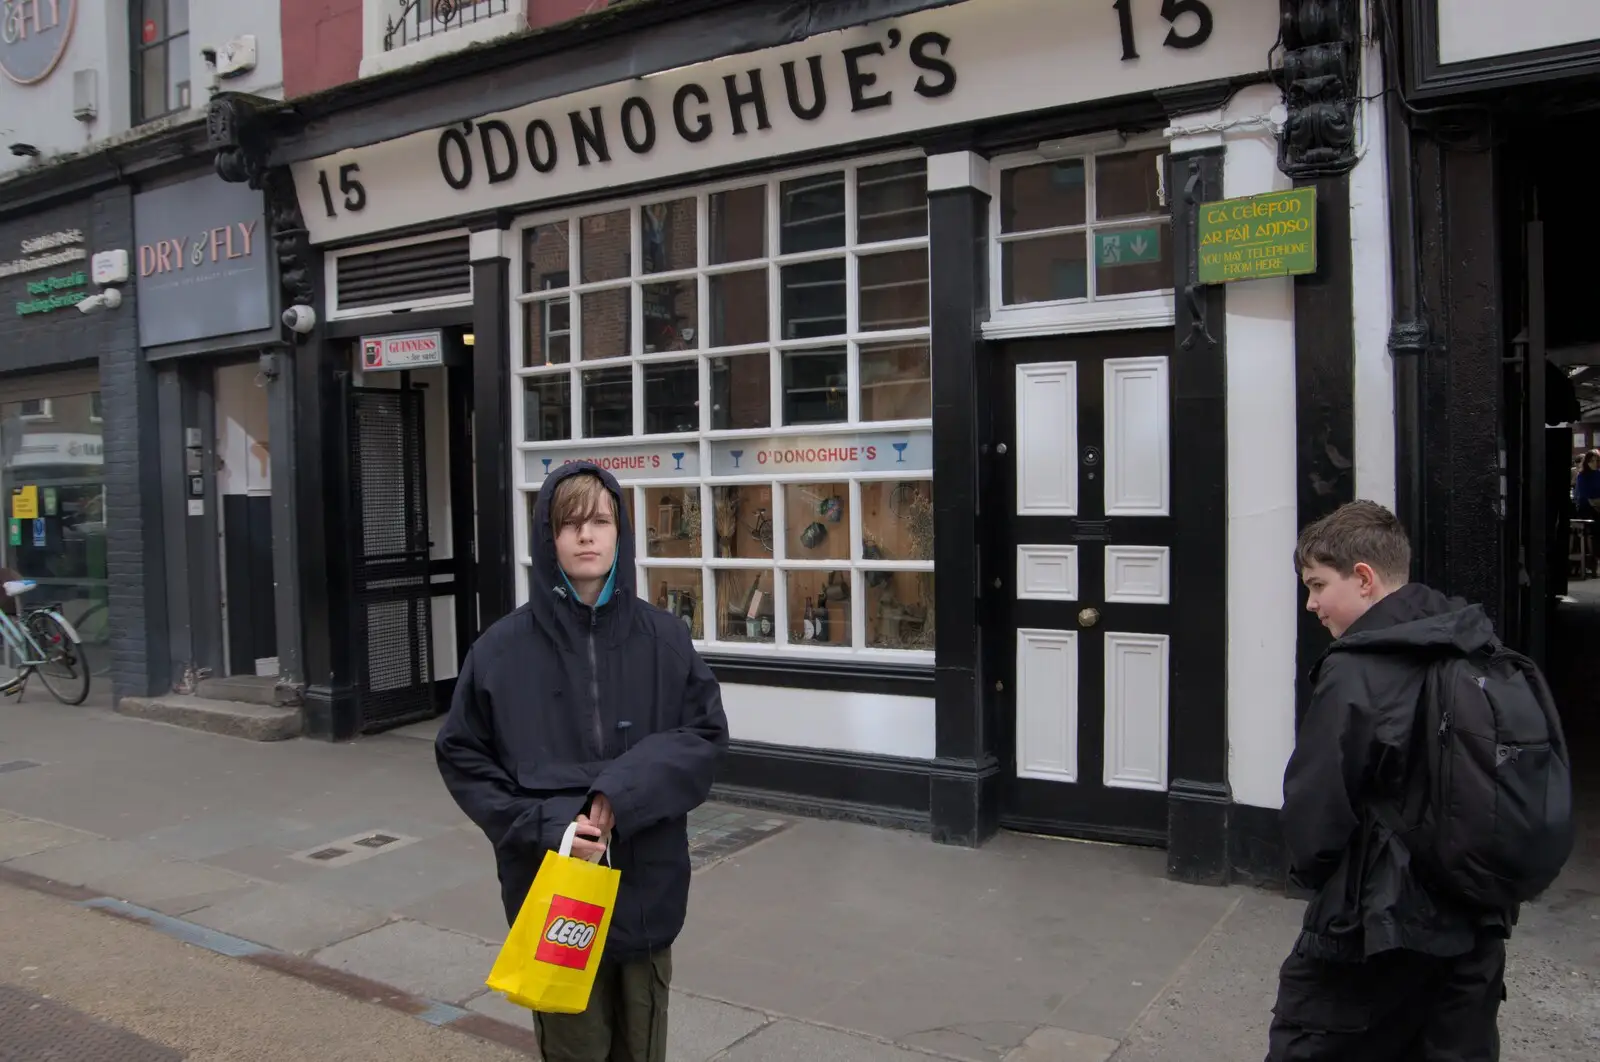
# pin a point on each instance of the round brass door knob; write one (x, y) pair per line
(1088, 617)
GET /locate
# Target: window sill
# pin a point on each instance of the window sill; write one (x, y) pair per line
(1152, 311)
(837, 676)
(378, 61)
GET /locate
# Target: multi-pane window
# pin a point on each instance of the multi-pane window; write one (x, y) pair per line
(1083, 229)
(160, 58)
(752, 359)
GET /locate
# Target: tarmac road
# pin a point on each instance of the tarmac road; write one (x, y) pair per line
(77, 985)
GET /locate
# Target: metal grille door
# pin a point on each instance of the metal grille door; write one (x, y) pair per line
(393, 595)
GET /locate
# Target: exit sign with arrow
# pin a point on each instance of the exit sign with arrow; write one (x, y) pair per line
(1127, 247)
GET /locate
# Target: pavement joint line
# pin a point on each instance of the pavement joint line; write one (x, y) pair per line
(362, 989)
(778, 1015)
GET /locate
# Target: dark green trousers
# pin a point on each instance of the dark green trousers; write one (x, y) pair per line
(626, 1020)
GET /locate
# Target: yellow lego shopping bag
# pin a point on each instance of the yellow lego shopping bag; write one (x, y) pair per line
(549, 960)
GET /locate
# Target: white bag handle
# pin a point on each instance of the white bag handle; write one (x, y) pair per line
(566, 844)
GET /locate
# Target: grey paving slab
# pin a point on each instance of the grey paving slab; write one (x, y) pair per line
(494, 1005)
(1051, 1044)
(263, 862)
(883, 932)
(432, 962)
(791, 1041)
(126, 871)
(23, 837)
(699, 1029)
(287, 919)
(395, 880)
(473, 908)
(203, 836)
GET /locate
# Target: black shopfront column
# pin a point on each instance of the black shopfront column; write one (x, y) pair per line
(1322, 44)
(1198, 795)
(491, 420)
(320, 379)
(964, 781)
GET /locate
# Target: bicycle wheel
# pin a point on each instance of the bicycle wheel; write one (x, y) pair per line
(64, 671)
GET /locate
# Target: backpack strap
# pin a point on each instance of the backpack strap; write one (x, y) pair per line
(1402, 812)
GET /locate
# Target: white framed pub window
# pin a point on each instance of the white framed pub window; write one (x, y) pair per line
(1080, 240)
(751, 360)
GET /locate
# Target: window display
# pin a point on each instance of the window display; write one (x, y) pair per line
(52, 462)
(751, 360)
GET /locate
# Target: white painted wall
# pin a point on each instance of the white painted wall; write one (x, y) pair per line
(1481, 29)
(42, 114)
(1263, 598)
(244, 445)
(850, 722)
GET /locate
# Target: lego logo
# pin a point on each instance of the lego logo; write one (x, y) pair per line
(571, 933)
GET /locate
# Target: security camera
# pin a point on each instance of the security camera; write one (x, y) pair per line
(300, 319)
(109, 299)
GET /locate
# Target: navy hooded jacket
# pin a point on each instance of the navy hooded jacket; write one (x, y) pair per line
(558, 702)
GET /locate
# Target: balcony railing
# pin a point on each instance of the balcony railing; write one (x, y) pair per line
(420, 19)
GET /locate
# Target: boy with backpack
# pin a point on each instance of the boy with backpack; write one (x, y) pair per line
(1427, 798)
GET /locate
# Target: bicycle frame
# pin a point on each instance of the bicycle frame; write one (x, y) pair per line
(20, 642)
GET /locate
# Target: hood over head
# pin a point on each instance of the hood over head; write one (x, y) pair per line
(1419, 617)
(546, 581)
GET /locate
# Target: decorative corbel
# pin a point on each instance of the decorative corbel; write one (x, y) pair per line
(1320, 79)
(240, 128)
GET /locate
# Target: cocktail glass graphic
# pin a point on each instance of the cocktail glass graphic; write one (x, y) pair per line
(678, 457)
(900, 452)
(546, 465)
(735, 454)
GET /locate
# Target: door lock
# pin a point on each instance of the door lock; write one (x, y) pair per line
(1000, 448)
(1088, 617)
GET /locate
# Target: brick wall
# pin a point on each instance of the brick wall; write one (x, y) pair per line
(63, 338)
(322, 44)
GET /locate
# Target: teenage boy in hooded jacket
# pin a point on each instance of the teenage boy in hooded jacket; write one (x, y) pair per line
(1385, 969)
(589, 705)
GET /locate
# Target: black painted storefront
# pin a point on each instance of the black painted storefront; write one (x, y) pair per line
(1472, 149)
(959, 795)
(52, 223)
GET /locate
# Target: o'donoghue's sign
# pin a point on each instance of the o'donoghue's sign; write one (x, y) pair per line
(1271, 235)
(404, 350)
(966, 62)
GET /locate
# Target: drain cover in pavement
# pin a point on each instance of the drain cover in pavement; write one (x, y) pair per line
(717, 831)
(42, 1030)
(343, 851)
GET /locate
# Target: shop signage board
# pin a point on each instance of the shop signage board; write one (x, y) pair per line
(627, 462)
(402, 350)
(967, 62)
(25, 502)
(909, 452)
(34, 35)
(1259, 236)
(203, 262)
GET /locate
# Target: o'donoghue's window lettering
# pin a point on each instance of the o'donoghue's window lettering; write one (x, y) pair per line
(751, 361)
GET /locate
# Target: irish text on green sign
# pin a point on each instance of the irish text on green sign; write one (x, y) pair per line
(1127, 247)
(1271, 235)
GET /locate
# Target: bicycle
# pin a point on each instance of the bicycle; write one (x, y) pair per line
(42, 638)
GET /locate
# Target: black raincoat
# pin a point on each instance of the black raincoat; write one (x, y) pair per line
(559, 701)
(1351, 748)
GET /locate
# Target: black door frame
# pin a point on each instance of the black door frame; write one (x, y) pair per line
(1087, 807)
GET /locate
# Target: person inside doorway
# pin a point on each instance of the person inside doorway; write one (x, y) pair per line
(590, 705)
(1586, 488)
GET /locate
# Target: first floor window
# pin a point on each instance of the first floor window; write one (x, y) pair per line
(751, 360)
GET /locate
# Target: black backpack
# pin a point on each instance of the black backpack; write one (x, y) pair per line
(1487, 809)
